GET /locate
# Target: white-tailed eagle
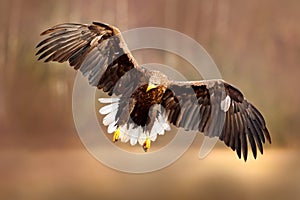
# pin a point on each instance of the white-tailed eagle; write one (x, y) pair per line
(146, 102)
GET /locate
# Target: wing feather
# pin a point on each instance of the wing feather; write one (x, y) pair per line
(97, 50)
(236, 126)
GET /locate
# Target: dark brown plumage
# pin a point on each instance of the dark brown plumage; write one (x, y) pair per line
(146, 101)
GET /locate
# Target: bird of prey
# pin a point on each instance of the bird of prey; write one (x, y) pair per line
(144, 103)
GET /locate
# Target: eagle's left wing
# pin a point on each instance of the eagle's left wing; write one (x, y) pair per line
(219, 110)
(98, 50)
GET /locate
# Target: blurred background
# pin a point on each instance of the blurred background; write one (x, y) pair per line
(256, 46)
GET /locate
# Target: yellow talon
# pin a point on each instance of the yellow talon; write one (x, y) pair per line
(116, 135)
(146, 145)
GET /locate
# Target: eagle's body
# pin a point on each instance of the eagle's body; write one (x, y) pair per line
(144, 103)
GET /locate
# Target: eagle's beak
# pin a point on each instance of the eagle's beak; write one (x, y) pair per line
(150, 87)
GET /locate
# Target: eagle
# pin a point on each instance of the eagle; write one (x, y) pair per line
(144, 103)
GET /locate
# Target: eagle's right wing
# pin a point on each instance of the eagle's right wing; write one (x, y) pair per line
(98, 51)
(219, 110)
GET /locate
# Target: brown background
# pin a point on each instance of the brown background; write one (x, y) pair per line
(256, 46)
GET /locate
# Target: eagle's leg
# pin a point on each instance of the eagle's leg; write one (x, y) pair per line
(147, 143)
(116, 135)
(152, 115)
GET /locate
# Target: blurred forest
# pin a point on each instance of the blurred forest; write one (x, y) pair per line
(256, 46)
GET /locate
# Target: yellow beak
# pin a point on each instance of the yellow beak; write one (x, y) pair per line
(150, 87)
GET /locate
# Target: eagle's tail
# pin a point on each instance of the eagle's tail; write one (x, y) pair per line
(130, 131)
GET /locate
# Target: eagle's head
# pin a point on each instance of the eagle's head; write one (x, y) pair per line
(157, 79)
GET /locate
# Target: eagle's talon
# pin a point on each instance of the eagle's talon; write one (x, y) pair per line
(146, 145)
(116, 135)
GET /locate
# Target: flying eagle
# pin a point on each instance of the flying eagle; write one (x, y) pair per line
(145, 102)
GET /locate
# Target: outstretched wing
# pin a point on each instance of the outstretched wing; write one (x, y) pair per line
(219, 110)
(97, 50)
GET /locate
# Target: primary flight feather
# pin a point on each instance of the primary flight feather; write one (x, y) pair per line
(144, 102)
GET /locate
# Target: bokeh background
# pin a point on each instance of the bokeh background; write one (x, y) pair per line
(256, 46)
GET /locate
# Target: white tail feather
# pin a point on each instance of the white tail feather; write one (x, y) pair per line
(109, 108)
(163, 123)
(108, 100)
(112, 128)
(142, 136)
(153, 135)
(124, 137)
(109, 118)
(159, 128)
